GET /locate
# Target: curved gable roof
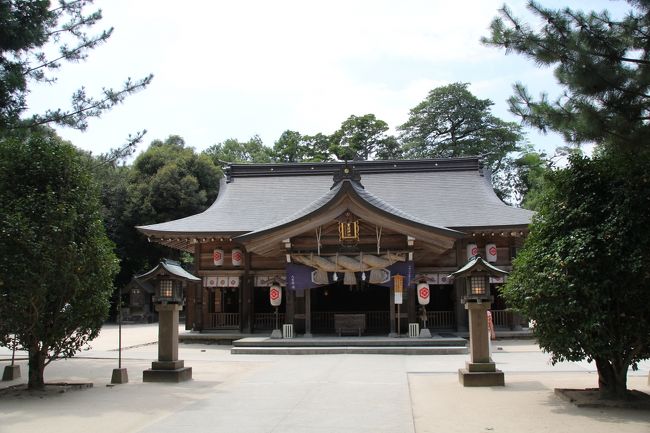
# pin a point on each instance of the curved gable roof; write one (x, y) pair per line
(351, 196)
(445, 193)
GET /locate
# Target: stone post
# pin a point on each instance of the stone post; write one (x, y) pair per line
(480, 370)
(168, 368)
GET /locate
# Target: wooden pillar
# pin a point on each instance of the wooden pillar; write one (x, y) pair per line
(197, 316)
(205, 300)
(290, 307)
(411, 300)
(308, 333)
(411, 295)
(459, 290)
(392, 313)
(246, 293)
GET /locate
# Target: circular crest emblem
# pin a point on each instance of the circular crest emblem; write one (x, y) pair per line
(424, 292)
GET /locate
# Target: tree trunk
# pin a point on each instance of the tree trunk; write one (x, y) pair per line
(36, 367)
(612, 378)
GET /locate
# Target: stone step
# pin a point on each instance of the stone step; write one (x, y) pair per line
(378, 350)
(351, 342)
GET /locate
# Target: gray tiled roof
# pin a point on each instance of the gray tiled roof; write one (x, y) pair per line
(330, 195)
(172, 267)
(444, 194)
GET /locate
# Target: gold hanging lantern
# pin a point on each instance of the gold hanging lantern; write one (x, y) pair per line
(348, 228)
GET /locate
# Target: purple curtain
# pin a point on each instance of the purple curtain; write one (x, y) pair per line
(407, 269)
(299, 277)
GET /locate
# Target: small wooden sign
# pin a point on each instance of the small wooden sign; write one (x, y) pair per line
(398, 288)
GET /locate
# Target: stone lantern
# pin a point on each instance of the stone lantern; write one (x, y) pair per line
(168, 279)
(480, 370)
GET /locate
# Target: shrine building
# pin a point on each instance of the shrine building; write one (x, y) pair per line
(332, 237)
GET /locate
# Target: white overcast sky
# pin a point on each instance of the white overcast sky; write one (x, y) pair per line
(234, 69)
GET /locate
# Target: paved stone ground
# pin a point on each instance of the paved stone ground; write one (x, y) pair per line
(310, 393)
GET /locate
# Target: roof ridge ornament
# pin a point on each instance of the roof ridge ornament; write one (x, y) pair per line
(346, 172)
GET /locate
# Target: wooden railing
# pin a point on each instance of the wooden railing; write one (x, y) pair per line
(267, 320)
(224, 320)
(506, 319)
(441, 319)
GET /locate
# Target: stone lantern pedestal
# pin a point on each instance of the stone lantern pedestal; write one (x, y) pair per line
(480, 370)
(168, 368)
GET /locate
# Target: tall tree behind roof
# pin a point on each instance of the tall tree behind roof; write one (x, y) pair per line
(235, 151)
(361, 138)
(452, 122)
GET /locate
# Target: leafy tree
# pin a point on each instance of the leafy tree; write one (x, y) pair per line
(585, 263)
(235, 151)
(168, 181)
(56, 263)
(288, 148)
(113, 180)
(317, 147)
(294, 147)
(584, 271)
(523, 179)
(452, 122)
(360, 138)
(602, 64)
(29, 32)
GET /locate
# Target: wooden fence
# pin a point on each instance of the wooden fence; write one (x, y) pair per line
(224, 321)
(267, 320)
(441, 320)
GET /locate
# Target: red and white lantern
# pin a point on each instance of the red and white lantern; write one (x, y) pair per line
(237, 257)
(275, 295)
(217, 257)
(491, 253)
(472, 250)
(424, 294)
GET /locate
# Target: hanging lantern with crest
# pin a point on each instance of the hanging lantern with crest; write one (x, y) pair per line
(348, 228)
(275, 294)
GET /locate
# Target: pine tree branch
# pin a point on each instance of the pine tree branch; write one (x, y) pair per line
(86, 107)
(71, 55)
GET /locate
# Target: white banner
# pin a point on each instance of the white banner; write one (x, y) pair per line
(210, 281)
